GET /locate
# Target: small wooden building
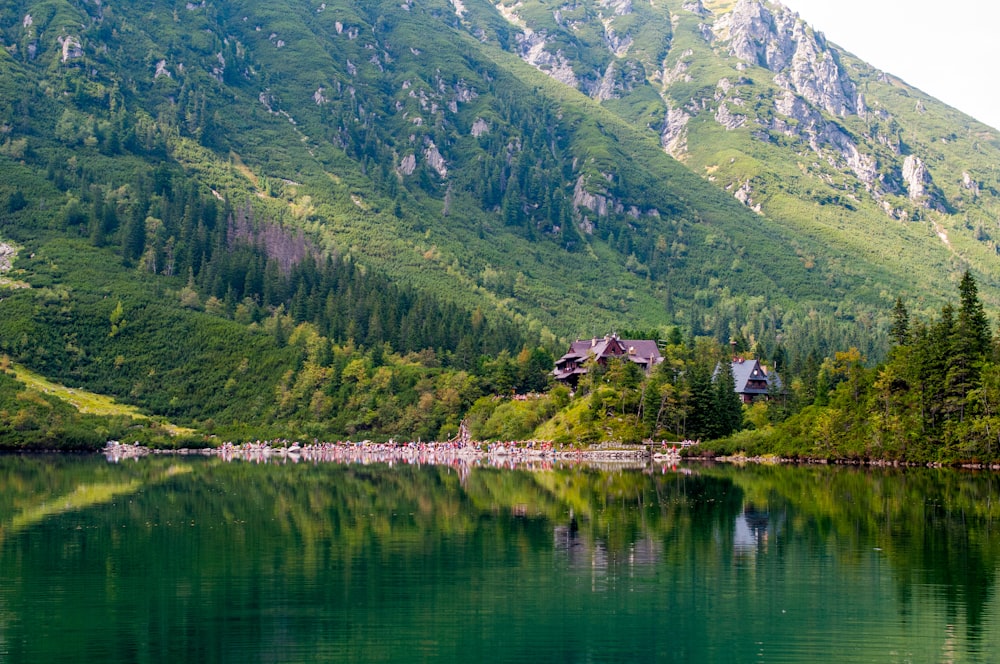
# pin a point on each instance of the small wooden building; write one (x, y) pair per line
(752, 380)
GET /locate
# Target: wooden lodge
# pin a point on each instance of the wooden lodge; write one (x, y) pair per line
(571, 366)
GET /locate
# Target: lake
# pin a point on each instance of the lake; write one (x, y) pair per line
(190, 559)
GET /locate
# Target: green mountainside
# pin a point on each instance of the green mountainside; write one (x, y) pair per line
(459, 179)
(755, 101)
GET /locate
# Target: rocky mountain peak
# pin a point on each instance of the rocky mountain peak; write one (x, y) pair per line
(772, 36)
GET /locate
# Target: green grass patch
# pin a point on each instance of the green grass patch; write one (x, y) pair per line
(88, 402)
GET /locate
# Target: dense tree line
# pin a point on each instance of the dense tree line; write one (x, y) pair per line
(935, 398)
(247, 268)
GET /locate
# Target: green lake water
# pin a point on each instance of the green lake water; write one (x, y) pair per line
(198, 560)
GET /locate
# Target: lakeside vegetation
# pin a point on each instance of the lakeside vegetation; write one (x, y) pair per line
(936, 398)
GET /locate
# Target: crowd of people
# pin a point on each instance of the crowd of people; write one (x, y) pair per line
(500, 453)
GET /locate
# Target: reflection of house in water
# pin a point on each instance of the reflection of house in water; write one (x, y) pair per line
(583, 554)
(646, 552)
(752, 530)
(567, 541)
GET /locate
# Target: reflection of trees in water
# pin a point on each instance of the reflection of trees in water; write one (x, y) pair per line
(581, 554)
(935, 528)
(637, 521)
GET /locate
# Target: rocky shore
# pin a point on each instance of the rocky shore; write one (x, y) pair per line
(450, 453)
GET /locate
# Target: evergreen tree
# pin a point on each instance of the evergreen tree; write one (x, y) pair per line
(969, 344)
(134, 236)
(932, 365)
(972, 324)
(651, 397)
(900, 331)
(533, 369)
(728, 406)
(701, 401)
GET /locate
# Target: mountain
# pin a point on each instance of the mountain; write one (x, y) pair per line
(562, 169)
(759, 103)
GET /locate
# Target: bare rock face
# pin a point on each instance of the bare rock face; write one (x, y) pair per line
(618, 45)
(618, 7)
(620, 78)
(605, 88)
(695, 7)
(582, 198)
(435, 160)
(920, 185)
(8, 252)
(531, 48)
(480, 127)
(71, 48)
(670, 75)
(781, 42)
(969, 184)
(161, 70)
(673, 137)
(916, 177)
(407, 165)
(728, 119)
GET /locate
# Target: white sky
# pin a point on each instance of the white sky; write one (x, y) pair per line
(946, 48)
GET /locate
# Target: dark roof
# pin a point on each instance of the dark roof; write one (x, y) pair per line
(600, 347)
(641, 351)
(745, 371)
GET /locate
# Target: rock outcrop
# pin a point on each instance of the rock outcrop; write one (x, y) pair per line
(71, 47)
(532, 49)
(919, 183)
(435, 160)
(673, 136)
(780, 41)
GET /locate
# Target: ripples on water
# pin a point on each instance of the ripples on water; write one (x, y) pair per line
(200, 560)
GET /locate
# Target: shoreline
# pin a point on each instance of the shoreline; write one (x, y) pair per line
(497, 454)
(510, 454)
(818, 461)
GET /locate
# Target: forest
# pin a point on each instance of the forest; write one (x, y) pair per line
(935, 398)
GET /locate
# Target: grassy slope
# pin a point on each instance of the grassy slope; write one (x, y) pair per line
(85, 401)
(554, 289)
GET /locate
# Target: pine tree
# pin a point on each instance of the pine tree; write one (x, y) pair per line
(728, 406)
(970, 341)
(900, 331)
(701, 417)
(932, 365)
(972, 323)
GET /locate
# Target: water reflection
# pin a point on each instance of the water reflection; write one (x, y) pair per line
(752, 530)
(301, 562)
